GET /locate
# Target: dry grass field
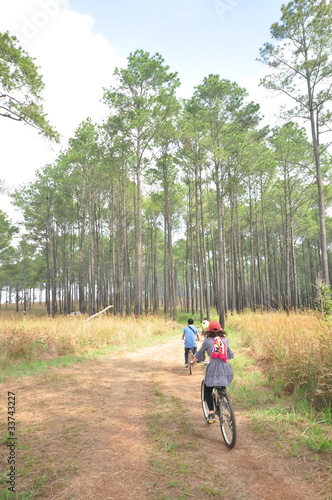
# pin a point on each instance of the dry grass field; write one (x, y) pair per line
(34, 337)
(295, 349)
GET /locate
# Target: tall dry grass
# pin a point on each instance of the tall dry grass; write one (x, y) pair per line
(43, 338)
(296, 350)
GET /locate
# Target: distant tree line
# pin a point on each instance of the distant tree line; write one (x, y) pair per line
(187, 203)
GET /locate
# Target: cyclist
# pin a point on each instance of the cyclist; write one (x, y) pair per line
(218, 373)
(205, 326)
(190, 336)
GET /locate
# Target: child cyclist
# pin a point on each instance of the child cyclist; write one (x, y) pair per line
(219, 372)
(205, 326)
(190, 336)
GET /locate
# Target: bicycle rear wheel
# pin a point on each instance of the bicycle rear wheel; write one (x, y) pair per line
(226, 418)
(205, 407)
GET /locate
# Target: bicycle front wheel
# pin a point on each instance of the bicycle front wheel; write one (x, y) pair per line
(227, 419)
(205, 407)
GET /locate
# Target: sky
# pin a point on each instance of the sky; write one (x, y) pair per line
(77, 44)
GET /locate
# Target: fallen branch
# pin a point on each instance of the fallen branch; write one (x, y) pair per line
(97, 314)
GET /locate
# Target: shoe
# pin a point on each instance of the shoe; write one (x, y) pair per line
(211, 418)
(186, 365)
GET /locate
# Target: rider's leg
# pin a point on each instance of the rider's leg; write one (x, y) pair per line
(208, 397)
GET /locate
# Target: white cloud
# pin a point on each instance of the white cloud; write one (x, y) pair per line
(75, 64)
(270, 102)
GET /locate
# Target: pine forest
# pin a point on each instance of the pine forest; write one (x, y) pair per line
(186, 203)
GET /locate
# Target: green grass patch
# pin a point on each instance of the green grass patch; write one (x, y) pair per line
(182, 317)
(8, 495)
(25, 368)
(210, 491)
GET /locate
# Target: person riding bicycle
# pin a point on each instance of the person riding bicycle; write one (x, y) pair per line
(218, 373)
(205, 326)
(190, 336)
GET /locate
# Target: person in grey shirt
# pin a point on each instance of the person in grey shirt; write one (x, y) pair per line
(218, 373)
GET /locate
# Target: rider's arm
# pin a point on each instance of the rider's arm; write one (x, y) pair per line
(200, 354)
(230, 353)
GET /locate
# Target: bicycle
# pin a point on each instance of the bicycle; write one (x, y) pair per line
(223, 408)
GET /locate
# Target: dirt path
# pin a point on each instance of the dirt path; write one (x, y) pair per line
(83, 433)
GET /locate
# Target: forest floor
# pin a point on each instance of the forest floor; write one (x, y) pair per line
(131, 426)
